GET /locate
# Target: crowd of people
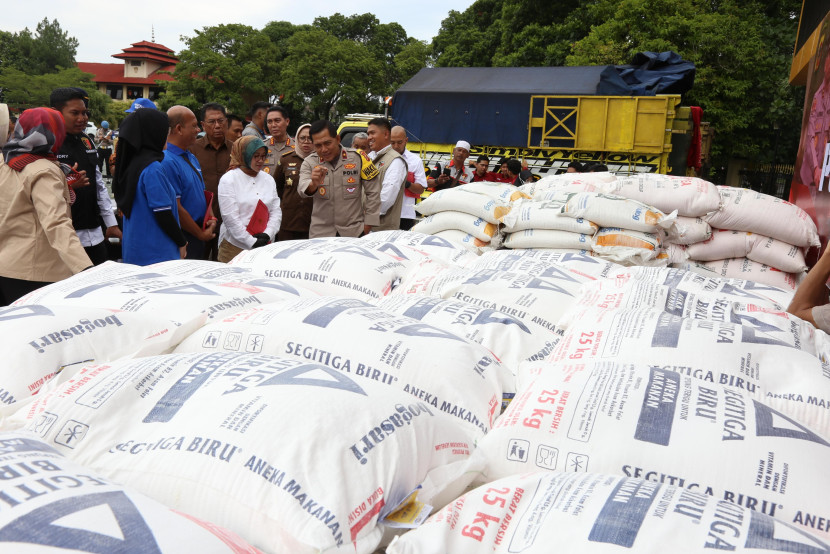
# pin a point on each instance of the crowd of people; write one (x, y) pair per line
(200, 186)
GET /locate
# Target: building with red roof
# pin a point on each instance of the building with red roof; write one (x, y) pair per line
(137, 76)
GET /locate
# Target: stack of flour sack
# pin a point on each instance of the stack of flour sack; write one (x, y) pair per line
(652, 219)
(470, 214)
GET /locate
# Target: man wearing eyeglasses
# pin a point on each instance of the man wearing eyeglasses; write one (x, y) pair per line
(92, 203)
(214, 154)
(182, 169)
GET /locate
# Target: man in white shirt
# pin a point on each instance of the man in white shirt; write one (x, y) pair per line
(416, 178)
(392, 168)
(456, 173)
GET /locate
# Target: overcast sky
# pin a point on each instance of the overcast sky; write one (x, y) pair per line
(104, 28)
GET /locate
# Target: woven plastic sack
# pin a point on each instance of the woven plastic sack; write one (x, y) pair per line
(498, 191)
(505, 336)
(547, 238)
(670, 253)
(747, 210)
(721, 245)
(412, 246)
(615, 211)
(582, 263)
(293, 456)
(626, 246)
(443, 221)
(594, 513)
(458, 376)
(782, 372)
(642, 421)
(459, 199)
(537, 299)
(181, 299)
(329, 266)
(744, 268)
(690, 196)
(544, 215)
(689, 230)
(41, 341)
(707, 282)
(53, 505)
(705, 305)
(469, 242)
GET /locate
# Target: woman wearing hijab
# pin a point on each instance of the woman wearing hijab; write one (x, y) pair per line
(296, 209)
(39, 245)
(143, 193)
(248, 200)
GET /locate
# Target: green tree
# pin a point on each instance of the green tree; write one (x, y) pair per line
(741, 50)
(47, 50)
(326, 75)
(21, 90)
(384, 42)
(469, 38)
(233, 64)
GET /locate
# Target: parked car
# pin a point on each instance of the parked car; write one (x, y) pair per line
(91, 130)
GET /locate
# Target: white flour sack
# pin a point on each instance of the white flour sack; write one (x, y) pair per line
(747, 210)
(459, 199)
(689, 230)
(472, 244)
(413, 247)
(178, 299)
(670, 253)
(653, 423)
(582, 264)
(293, 456)
(572, 182)
(615, 211)
(690, 196)
(443, 221)
(591, 513)
(608, 294)
(448, 372)
(40, 341)
(626, 246)
(788, 378)
(547, 238)
(505, 192)
(544, 215)
(722, 244)
(329, 266)
(758, 248)
(744, 268)
(52, 505)
(707, 282)
(536, 299)
(505, 336)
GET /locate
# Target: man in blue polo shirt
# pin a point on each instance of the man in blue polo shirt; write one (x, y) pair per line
(182, 170)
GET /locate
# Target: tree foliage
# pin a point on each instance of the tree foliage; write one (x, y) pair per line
(47, 50)
(742, 50)
(233, 64)
(22, 91)
(335, 65)
(321, 72)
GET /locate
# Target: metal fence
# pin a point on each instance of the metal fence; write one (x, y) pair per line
(772, 179)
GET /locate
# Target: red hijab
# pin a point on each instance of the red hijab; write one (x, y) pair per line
(38, 134)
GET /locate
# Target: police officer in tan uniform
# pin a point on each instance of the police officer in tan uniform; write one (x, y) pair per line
(279, 143)
(337, 178)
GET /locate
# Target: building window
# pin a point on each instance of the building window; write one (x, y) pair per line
(135, 63)
(116, 92)
(135, 92)
(154, 93)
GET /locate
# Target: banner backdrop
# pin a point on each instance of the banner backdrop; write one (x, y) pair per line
(811, 181)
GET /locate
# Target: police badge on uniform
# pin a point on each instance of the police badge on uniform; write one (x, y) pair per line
(289, 182)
